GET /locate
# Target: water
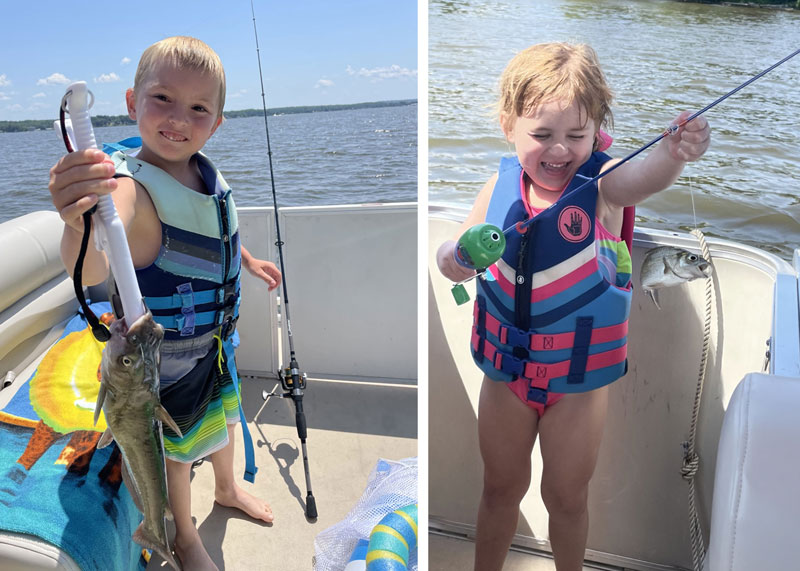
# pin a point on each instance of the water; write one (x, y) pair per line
(335, 157)
(660, 57)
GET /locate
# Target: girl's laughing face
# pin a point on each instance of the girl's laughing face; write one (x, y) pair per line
(552, 142)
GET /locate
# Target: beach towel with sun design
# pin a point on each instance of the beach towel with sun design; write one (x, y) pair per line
(54, 482)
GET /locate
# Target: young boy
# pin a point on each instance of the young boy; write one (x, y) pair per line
(550, 329)
(182, 232)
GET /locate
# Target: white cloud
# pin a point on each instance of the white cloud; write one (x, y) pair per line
(125, 61)
(4, 97)
(236, 95)
(323, 83)
(107, 78)
(391, 72)
(4, 80)
(54, 79)
(15, 107)
(39, 95)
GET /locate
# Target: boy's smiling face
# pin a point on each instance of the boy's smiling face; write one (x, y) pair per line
(552, 142)
(177, 112)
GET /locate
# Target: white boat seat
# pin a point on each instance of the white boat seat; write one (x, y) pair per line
(755, 512)
(36, 294)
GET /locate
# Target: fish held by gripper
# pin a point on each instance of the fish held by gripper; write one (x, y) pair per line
(129, 398)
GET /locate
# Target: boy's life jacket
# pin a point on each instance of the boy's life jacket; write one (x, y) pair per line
(554, 309)
(192, 287)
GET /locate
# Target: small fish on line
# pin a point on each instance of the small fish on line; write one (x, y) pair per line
(129, 398)
(668, 266)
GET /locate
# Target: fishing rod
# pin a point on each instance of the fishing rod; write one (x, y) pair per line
(292, 380)
(485, 244)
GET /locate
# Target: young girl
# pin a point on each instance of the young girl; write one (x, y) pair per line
(550, 328)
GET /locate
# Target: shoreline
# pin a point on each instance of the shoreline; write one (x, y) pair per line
(26, 125)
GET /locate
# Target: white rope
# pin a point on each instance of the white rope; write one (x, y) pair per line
(691, 460)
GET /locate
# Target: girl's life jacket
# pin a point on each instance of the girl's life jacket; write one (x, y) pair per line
(554, 309)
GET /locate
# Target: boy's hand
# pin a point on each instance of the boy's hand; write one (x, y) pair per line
(77, 180)
(689, 142)
(264, 270)
(446, 261)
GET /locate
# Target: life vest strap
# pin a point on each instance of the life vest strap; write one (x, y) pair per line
(580, 350)
(539, 372)
(480, 325)
(221, 296)
(181, 321)
(509, 335)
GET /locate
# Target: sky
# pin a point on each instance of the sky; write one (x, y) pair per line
(313, 52)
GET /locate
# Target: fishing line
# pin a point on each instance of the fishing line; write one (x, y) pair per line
(292, 379)
(521, 227)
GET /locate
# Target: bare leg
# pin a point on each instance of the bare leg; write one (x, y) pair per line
(187, 544)
(571, 432)
(227, 492)
(507, 432)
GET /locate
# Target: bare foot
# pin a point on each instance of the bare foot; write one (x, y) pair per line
(193, 556)
(236, 497)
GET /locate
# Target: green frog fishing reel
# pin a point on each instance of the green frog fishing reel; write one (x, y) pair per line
(477, 249)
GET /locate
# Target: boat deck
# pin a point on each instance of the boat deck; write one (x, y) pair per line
(351, 425)
(451, 552)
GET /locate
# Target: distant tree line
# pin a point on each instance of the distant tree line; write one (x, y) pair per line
(318, 108)
(763, 3)
(118, 120)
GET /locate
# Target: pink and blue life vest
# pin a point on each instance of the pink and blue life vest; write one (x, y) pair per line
(554, 309)
(192, 287)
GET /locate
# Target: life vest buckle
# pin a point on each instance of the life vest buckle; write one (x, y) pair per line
(228, 327)
(514, 336)
(227, 292)
(537, 395)
(508, 363)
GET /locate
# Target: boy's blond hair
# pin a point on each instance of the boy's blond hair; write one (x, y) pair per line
(550, 72)
(183, 51)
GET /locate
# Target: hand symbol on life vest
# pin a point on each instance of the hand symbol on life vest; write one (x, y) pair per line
(575, 227)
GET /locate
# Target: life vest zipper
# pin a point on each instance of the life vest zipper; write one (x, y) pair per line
(226, 239)
(522, 289)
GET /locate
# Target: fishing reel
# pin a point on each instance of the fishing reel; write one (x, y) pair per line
(477, 249)
(292, 378)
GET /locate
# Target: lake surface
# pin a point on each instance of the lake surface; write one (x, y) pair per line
(660, 58)
(332, 157)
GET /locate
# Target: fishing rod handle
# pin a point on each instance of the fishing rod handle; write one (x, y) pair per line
(110, 233)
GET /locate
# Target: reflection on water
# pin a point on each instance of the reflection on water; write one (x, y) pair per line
(660, 57)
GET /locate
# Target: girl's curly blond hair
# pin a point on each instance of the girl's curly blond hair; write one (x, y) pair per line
(550, 72)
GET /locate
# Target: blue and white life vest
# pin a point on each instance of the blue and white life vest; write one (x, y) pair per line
(555, 307)
(199, 260)
(200, 257)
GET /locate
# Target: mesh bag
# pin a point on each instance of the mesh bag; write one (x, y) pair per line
(391, 485)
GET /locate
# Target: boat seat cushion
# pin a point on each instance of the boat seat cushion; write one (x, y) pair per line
(36, 294)
(755, 510)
